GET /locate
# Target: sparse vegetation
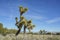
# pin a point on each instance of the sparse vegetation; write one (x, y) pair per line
(29, 37)
(5, 31)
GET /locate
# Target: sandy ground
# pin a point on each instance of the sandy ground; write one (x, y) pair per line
(29, 37)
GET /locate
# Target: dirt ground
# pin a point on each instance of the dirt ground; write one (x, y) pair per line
(29, 37)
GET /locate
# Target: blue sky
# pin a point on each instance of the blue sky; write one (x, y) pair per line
(45, 14)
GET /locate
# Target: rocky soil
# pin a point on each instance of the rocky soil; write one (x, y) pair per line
(29, 37)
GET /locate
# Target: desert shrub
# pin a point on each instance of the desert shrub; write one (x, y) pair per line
(53, 38)
(49, 33)
(5, 31)
(57, 33)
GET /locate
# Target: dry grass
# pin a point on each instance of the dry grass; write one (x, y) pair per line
(29, 37)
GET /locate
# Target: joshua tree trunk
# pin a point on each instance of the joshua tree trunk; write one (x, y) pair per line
(29, 31)
(17, 32)
(24, 29)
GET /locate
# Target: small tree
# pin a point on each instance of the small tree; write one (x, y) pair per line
(42, 32)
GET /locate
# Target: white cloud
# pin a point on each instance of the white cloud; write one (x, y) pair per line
(35, 17)
(53, 20)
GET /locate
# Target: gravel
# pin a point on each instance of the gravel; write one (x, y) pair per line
(29, 37)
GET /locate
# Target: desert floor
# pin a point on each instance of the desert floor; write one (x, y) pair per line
(29, 37)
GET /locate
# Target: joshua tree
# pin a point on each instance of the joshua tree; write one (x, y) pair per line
(42, 32)
(23, 21)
